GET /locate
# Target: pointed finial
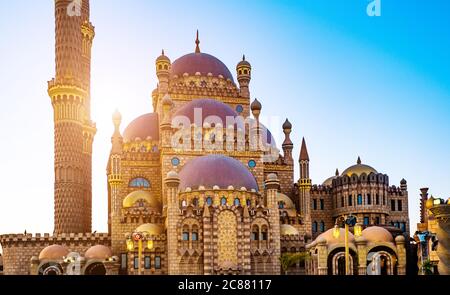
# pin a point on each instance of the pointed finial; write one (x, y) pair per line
(337, 172)
(304, 151)
(162, 52)
(197, 43)
(243, 57)
(359, 161)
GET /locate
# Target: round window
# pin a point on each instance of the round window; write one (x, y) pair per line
(175, 161)
(239, 109)
(252, 163)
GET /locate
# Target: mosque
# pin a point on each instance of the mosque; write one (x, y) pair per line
(199, 185)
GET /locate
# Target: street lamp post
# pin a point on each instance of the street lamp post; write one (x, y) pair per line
(140, 238)
(346, 222)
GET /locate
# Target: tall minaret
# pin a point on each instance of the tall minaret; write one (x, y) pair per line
(74, 131)
(305, 186)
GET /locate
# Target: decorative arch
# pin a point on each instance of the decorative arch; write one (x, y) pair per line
(381, 260)
(335, 259)
(139, 182)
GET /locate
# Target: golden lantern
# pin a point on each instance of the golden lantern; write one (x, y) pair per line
(150, 244)
(336, 232)
(130, 245)
(357, 230)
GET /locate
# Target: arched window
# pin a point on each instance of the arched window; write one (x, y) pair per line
(194, 236)
(195, 202)
(264, 235)
(249, 202)
(322, 226)
(139, 182)
(360, 200)
(237, 202)
(157, 262)
(183, 203)
(223, 201)
(185, 236)
(255, 233)
(209, 201)
(314, 227)
(281, 205)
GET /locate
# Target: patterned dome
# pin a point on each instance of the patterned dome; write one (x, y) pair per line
(359, 169)
(53, 252)
(143, 127)
(98, 252)
(216, 170)
(202, 63)
(209, 107)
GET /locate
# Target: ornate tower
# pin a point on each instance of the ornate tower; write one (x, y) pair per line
(244, 75)
(74, 131)
(163, 65)
(305, 186)
(288, 146)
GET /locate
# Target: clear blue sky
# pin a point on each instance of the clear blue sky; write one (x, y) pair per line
(351, 84)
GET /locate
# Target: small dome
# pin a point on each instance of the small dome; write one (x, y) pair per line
(287, 125)
(272, 176)
(163, 57)
(359, 169)
(172, 174)
(288, 230)
(376, 234)
(243, 63)
(329, 181)
(98, 252)
(256, 105)
(288, 203)
(209, 107)
(403, 181)
(202, 63)
(216, 170)
(53, 252)
(135, 196)
(329, 237)
(143, 127)
(151, 229)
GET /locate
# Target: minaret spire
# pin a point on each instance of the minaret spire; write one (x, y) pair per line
(304, 151)
(359, 160)
(197, 43)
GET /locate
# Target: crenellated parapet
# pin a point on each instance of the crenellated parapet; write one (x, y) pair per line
(11, 240)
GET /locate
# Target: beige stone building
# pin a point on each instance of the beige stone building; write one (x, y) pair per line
(214, 195)
(432, 235)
